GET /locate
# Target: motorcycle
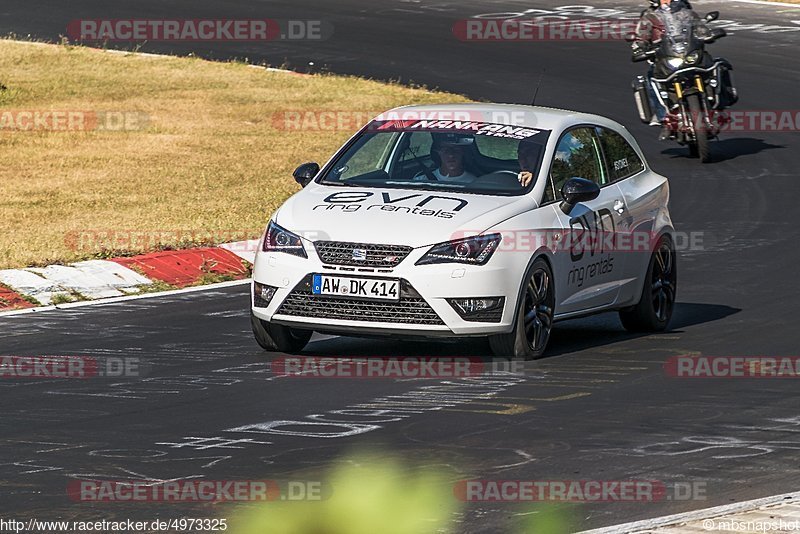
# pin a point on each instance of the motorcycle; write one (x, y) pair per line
(692, 87)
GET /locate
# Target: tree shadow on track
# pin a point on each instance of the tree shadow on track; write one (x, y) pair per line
(567, 337)
(726, 149)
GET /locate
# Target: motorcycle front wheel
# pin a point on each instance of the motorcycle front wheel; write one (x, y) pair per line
(699, 148)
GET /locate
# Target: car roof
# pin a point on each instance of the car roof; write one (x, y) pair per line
(508, 114)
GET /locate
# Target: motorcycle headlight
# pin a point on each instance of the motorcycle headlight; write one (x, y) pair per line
(278, 239)
(693, 57)
(675, 62)
(472, 250)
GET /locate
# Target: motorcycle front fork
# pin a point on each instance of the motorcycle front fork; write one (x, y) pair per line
(687, 127)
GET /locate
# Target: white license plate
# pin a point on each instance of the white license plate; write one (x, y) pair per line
(368, 288)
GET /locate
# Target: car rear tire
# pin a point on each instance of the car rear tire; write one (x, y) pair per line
(534, 321)
(655, 307)
(277, 338)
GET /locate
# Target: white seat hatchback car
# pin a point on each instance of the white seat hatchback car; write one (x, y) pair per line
(469, 220)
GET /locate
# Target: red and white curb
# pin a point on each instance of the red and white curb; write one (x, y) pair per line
(121, 277)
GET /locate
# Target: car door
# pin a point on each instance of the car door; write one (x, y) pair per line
(589, 268)
(645, 195)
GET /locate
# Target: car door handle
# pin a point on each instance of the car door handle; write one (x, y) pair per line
(619, 206)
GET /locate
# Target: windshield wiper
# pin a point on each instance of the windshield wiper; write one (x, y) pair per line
(339, 184)
(419, 183)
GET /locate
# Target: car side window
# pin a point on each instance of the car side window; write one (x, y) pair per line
(419, 146)
(578, 154)
(622, 160)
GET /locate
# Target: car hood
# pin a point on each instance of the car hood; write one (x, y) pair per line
(409, 217)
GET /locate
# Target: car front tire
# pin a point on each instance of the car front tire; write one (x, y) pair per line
(277, 338)
(657, 302)
(534, 321)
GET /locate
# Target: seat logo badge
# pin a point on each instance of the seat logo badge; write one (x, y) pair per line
(359, 254)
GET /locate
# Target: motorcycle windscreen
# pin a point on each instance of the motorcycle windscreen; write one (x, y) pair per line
(679, 33)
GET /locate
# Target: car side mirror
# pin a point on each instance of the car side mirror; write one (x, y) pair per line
(577, 190)
(712, 16)
(305, 173)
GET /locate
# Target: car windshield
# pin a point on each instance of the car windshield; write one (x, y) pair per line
(466, 156)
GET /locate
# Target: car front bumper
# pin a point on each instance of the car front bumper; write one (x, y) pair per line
(423, 309)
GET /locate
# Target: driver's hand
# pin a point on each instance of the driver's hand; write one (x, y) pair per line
(525, 178)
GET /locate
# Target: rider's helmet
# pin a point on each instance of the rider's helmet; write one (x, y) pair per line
(672, 5)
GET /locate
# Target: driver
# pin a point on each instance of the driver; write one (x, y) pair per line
(450, 151)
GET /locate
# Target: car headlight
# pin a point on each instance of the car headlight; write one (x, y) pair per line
(278, 239)
(693, 57)
(675, 62)
(472, 250)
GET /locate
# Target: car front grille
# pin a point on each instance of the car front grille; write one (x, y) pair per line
(410, 309)
(361, 254)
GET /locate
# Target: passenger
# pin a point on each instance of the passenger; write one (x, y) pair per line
(528, 157)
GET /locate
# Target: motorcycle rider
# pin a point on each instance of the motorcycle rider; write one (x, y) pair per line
(653, 24)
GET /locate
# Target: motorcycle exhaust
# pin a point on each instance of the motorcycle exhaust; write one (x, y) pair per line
(642, 99)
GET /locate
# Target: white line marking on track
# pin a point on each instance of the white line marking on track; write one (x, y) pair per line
(769, 3)
(195, 289)
(707, 513)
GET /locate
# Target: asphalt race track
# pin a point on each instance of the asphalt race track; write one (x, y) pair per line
(599, 407)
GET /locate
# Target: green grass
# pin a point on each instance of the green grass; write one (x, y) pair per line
(209, 162)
